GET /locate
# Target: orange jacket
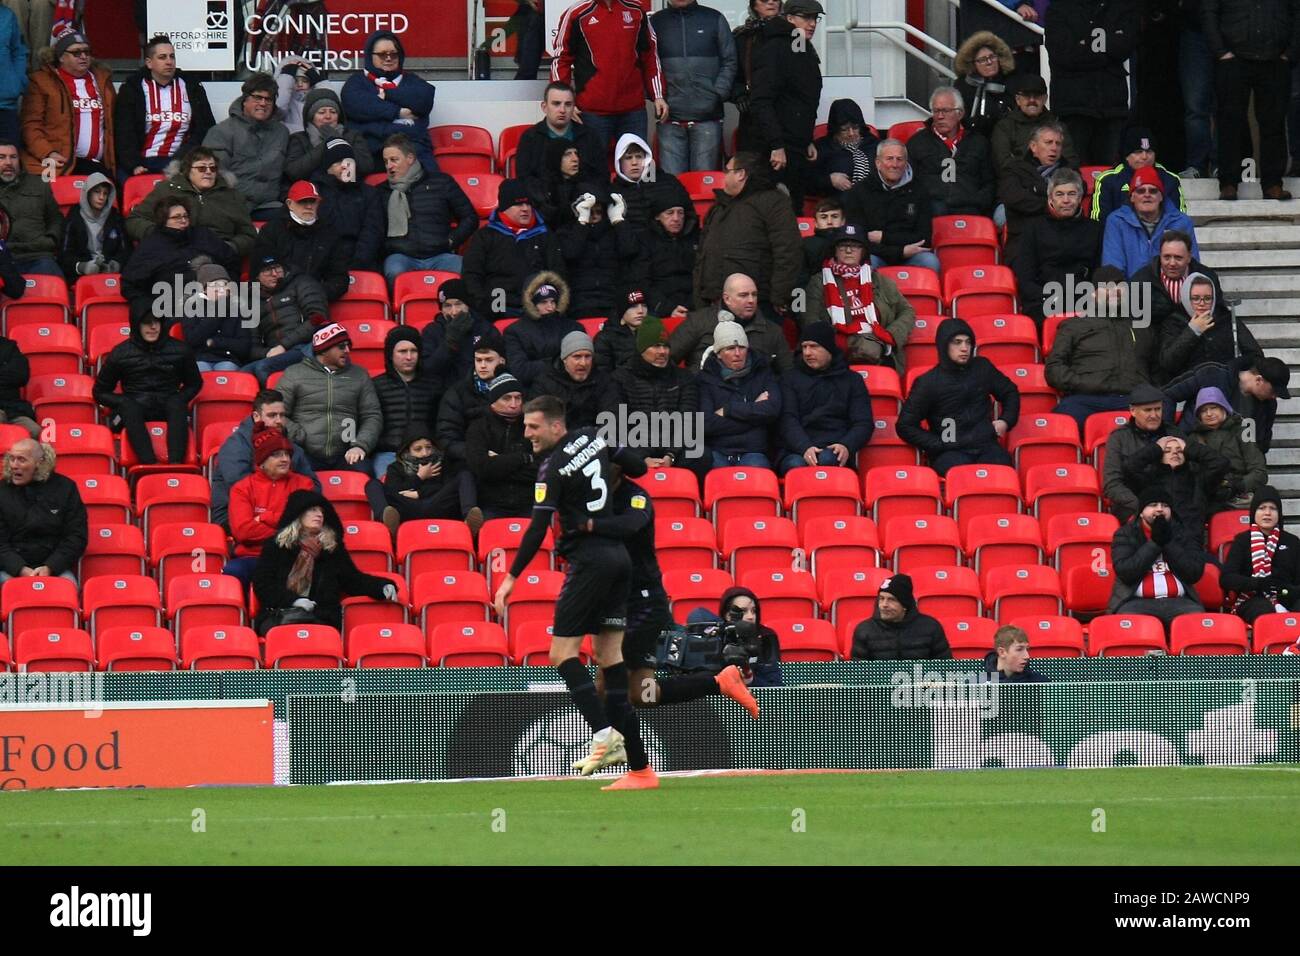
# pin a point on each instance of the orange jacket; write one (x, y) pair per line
(47, 118)
(256, 503)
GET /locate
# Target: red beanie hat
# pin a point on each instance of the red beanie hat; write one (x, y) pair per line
(1146, 176)
(267, 441)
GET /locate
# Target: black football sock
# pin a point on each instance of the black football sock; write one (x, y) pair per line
(678, 690)
(583, 690)
(622, 717)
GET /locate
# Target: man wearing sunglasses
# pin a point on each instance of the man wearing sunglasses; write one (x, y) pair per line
(67, 113)
(251, 143)
(1133, 233)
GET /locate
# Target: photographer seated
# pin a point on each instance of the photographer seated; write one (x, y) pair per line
(1009, 659)
(897, 631)
(741, 605)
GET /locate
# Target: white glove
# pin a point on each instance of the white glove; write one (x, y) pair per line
(307, 604)
(582, 208)
(617, 208)
(390, 592)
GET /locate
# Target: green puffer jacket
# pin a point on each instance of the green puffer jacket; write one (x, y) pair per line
(1247, 470)
(1098, 356)
(330, 412)
(36, 225)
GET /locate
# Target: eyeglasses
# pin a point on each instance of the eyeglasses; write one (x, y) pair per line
(385, 54)
(179, 217)
(1201, 299)
(262, 97)
(205, 168)
(943, 111)
(82, 51)
(1146, 191)
(986, 60)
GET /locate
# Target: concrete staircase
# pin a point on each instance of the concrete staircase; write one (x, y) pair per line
(1254, 245)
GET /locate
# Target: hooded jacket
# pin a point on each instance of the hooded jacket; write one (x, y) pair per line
(404, 404)
(654, 186)
(462, 405)
(1227, 379)
(165, 255)
(698, 56)
(1237, 572)
(959, 394)
(968, 184)
(748, 420)
(305, 154)
(1133, 553)
(354, 213)
(1193, 488)
(290, 314)
(987, 101)
(531, 163)
(1181, 348)
(313, 250)
(1050, 251)
(42, 522)
(1011, 135)
(917, 637)
(505, 479)
(765, 675)
(253, 151)
(322, 403)
(498, 258)
(403, 473)
(36, 223)
(533, 342)
(436, 201)
(48, 118)
(824, 406)
(692, 341)
(334, 577)
(755, 233)
(154, 371)
(129, 118)
(1247, 469)
(583, 401)
(784, 93)
(1126, 245)
(439, 361)
(223, 209)
(594, 256)
(1089, 78)
(79, 246)
(377, 119)
(615, 345)
(552, 192)
(643, 387)
(893, 310)
(235, 462)
(833, 157)
(256, 504)
(1097, 356)
(1122, 444)
(901, 212)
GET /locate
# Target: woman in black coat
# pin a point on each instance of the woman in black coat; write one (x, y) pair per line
(305, 570)
(1263, 563)
(166, 253)
(984, 65)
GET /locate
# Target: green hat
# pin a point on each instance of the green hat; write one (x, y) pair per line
(651, 332)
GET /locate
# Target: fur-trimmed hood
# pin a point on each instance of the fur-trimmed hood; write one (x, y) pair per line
(44, 468)
(964, 64)
(173, 171)
(535, 283)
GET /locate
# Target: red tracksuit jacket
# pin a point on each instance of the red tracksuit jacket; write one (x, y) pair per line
(600, 44)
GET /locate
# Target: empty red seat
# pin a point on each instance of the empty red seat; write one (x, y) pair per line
(51, 348)
(508, 146)
(991, 541)
(885, 386)
(370, 544)
(1052, 635)
(449, 596)
(1208, 589)
(1274, 633)
(424, 546)
(107, 498)
(385, 645)
(50, 649)
(905, 130)
(675, 491)
(964, 241)
(346, 491)
(368, 337)
(840, 542)
(530, 645)
(415, 296)
(112, 549)
(481, 188)
(359, 609)
(1075, 539)
(46, 603)
(462, 149)
(1011, 592)
(920, 287)
(220, 648)
(366, 299)
(1125, 635)
(974, 490)
(44, 301)
(1030, 379)
(63, 399)
(136, 649)
(891, 492)
(918, 541)
(751, 544)
(1225, 526)
(821, 491)
(1208, 634)
(204, 601)
(1005, 339)
(920, 348)
(225, 397)
(806, 639)
(103, 337)
(783, 593)
(162, 499)
(683, 544)
(946, 591)
(303, 646)
(136, 188)
(1097, 428)
(1044, 440)
(188, 548)
(1062, 488)
(979, 290)
(498, 543)
(472, 644)
(688, 590)
(532, 599)
(1087, 590)
(969, 637)
(127, 600)
(885, 449)
(731, 493)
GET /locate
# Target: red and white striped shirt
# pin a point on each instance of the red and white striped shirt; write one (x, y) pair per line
(167, 116)
(88, 114)
(1160, 581)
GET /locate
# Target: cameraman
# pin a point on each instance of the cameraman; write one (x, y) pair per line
(740, 604)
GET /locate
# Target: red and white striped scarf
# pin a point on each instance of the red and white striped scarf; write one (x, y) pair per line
(383, 82)
(64, 19)
(1160, 581)
(956, 138)
(1263, 544)
(852, 313)
(167, 116)
(1174, 287)
(88, 113)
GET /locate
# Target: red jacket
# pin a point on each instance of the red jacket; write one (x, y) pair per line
(256, 503)
(599, 45)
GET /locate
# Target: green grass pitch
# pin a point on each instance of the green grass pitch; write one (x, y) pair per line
(1191, 816)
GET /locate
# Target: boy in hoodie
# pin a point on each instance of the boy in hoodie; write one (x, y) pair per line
(1216, 425)
(1133, 232)
(897, 631)
(415, 484)
(641, 183)
(955, 400)
(250, 143)
(383, 99)
(825, 406)
(160, 114)
(533, 342)
(407, 396)
(218, 331)
(94, 232)
(1263, 563)
(514, 245)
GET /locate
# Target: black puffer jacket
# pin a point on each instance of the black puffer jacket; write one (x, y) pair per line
(593, 262)
(15, 372)
(785, 92)
(533, 342)
(664, 267)
(960, 394)
(824, 407)
(290, 314)
(530, 160)
(231, 333)
(315, 250)
(1252, 29)
(334, 574)
(353, 212)
(436, 201)
(497, 258)
(583, 401)
(165, 254)
(746, 423)
(643, 387)
(1052, 249)
(461, 406)
(917, 637)
(1088, 42)
(901, 213)
(404, 404)
(41, 523)
(615, 345)
(969, 187)
(156, 370)
(506, 479)
(441, 362)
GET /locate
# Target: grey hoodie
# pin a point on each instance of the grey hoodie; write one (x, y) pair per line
(252, 151)
(1185, 296)
(95, 222)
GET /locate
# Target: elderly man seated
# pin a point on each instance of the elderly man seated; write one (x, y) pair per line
(42, 520)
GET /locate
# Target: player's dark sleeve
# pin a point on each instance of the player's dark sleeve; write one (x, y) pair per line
(632, 463)
(532, 540)
(622, 525)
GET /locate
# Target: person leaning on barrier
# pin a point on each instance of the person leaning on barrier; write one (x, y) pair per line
(897, 631)
(43, 529)
(1009, 659)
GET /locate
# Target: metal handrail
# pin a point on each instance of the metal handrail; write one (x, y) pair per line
(1010, 14)
(884, 30)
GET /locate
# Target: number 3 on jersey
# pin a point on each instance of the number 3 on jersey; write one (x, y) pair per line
(592, 471)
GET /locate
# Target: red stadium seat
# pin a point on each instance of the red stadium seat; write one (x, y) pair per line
(136, 188)
(1208, 634)
(498, 543)
(136, 649)
(918, 541)
(1011, 592)
(6, 659)
(47, 603)
(969, 637)
(532, 599)
(1225, 526)
(1051, 490)
(839, 543)
(96, 288)
(49, 649)
(1005, 339)
(126, 600)
(783, 593)
(172, 499)
(366, 299)
(885, 386)
(112, 549)
(754, 544)
(107, 498)
(920, 348)
(992, 541)
(530, 645)
(85, 450)
(1036, 396)
(1087, 590)
(211, 440)
(849, 596)
(103, 312)
(946, 591)
(688, 590)
(63, 399)
(1052, 636)
(440, 597)
(920, 287)
(1209, 590)
(188, 547)
(885, 449)
(905, 130)
(346, 491)
(303, 646)
(915, 371)
(806, 639)
(731, 493)
(158, 438)
(891, 492)
(220, 648)
(415, 296)
(974, 490)
(225, 397)
(979, 290)
(508, 146)
(1273, 633)
(1044, 440)
(462, 149)
(50, 348)
(674, 491)
(385, 645)
(9, 434)
(964, 241)
(374, 179)
(102, 339)
(1097, 428)
(204, 601)
(370, 545)
(700, 187)
(368, 343)
(481, 188)
(1125, 635)
(807, 226)
(1051, 326)
(360, 609)
(472, 644)
(424, 546)
(685, 544)
(44, 302)
(1079, 539)
(821, 492)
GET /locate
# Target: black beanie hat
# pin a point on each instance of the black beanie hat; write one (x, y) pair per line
(510, 192)
(822, 334)
(1153, 493)
(1266, 493)
(492, 339)
(900, 586)
(453, 289)
(337, 150)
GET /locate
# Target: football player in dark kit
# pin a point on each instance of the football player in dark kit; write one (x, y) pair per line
(575, 484)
